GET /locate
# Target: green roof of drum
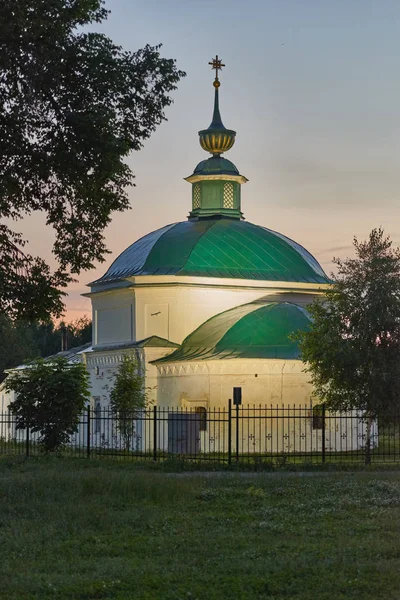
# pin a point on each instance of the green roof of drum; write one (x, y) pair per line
(217, 247)
(216, 165)
(260, 329)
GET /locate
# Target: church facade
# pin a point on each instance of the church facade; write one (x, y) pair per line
(209, 303)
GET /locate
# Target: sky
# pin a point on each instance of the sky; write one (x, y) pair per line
(312, 88)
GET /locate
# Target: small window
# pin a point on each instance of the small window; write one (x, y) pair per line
(202, 412)
(318, 417)
(196, 196)
(228, 195)
(97, 415)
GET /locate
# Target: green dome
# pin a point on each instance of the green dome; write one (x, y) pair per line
(260, 329)
(217, 247)
(216, 166)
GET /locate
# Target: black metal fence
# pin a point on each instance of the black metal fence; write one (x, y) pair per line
(252, 434)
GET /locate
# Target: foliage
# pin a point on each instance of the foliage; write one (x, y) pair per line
(198, 536)
(48, 336)
(73, 105)
(75, 333)
(18, 344)
(353, 347)
(26, 340)
(128, 395)
(28, 289)
(49, 398)
(79, 332)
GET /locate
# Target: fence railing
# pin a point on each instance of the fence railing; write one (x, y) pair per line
(279, 434)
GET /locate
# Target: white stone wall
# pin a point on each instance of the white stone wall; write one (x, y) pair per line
(114, 317)
(282, 420)
(7, 430)
(102, 367)
(5, 399)
(172, 308)
(263, 382)
(175, 312)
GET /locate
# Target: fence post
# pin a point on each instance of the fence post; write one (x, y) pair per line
(155, 433)
(323, 433)
(229, 431)
(88, 433)
(27, 440)
(237, 432)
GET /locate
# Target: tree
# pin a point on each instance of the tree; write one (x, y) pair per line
(79, 332)
(352, 350)
(50, 397)
(46, 336)
(128, 396)
(73, 105)
(28, 289)
(18, 345)
(26, 341)
(52, 338)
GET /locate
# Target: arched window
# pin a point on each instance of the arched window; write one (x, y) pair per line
(202, 412)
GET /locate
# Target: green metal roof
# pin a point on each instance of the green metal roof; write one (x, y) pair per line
(153, 341)
(216, 165)
(217, 247)
(260, 329)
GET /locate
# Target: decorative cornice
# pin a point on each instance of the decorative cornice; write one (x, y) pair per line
(95, 359)
(108, 289)
(165, 281)
(220, 177)
(106, 360)
(249, 367)
(142, 281)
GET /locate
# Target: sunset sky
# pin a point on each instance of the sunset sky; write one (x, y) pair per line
(312, 88)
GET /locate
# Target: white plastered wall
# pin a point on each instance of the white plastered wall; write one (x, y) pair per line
(174, 312)
(174, 308)
(278, 389)
(113, 317)
(263, 381)
(102, 368)
(5, 399)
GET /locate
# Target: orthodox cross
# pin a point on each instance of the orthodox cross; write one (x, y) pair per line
(216, 64)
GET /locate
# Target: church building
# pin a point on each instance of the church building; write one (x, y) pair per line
(208, 303)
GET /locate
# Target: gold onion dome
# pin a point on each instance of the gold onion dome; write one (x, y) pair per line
(216, 139)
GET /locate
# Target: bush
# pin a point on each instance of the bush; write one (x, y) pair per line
(50, 397)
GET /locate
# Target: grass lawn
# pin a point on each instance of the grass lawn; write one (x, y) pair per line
(99, 529)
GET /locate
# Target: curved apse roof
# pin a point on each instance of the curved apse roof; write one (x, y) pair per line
(217, 247)
(260, 329)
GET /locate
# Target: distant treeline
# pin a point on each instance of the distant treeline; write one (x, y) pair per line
(21, 341)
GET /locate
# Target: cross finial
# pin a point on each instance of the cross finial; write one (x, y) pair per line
(216, 64)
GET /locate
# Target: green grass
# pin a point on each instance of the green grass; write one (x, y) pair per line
(104, 529)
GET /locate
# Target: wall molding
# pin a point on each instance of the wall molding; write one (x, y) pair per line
(231, 367)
